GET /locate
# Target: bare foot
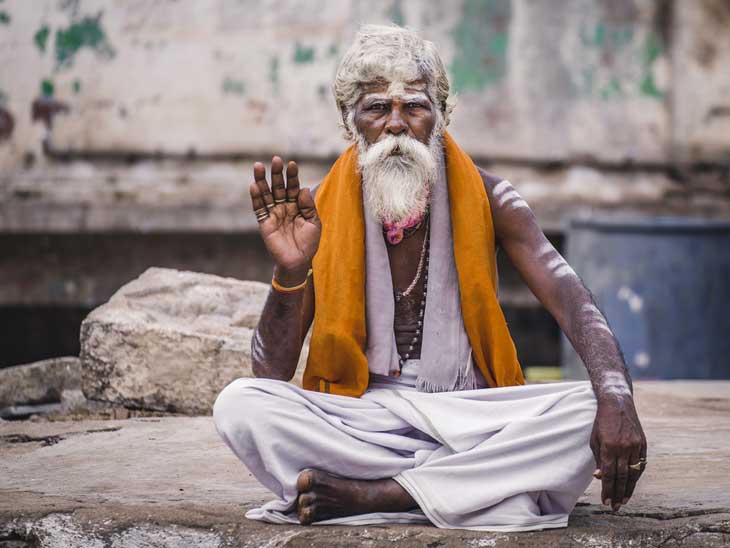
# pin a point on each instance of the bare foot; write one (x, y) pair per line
(323, 496)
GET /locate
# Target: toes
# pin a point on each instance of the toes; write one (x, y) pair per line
(306, 516)
(305, 481)
(306, 509)
(305, 501)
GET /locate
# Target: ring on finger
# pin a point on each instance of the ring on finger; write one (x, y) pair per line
(291, 200)
(638, 466)
(270, 206)
(278, 201)
(261, 214)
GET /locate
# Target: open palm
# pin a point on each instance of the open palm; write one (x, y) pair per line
(291, 229)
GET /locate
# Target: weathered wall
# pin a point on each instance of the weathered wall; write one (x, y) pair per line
(615, 80)
(635, 87)
(127, 126)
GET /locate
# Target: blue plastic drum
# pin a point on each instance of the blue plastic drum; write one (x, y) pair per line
(664, 285)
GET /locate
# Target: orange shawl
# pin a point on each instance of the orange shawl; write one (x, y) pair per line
(337, 362)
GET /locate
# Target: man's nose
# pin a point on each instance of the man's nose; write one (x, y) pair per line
(395, 125)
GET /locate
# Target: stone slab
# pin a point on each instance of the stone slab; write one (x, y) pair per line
(52, 385)
(169, 480)
(170, 340)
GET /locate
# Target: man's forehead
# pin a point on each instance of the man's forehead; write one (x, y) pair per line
(394, 89)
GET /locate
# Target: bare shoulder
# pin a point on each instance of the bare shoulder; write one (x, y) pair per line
(490, 179)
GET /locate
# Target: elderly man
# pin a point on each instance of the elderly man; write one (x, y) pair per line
(413, 406)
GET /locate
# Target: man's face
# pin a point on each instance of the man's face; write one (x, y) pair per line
(398, 150)
(385, 110)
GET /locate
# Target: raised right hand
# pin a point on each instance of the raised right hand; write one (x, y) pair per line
(291, 228)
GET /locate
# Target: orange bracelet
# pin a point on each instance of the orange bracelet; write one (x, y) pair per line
(293, 289)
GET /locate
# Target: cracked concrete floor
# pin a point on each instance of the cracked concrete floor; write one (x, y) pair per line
(170, 481)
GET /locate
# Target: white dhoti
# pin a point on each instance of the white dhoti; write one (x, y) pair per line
(497, 459)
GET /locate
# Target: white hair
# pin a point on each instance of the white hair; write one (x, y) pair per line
(390, 54)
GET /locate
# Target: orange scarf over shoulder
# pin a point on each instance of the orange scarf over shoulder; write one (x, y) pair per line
(337, 362)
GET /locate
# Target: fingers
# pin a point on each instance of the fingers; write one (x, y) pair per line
(307, 207)
(257, 202)
(277, 180)
(622, 477)
(292, 184)
(634, 475)
(259, 176)
(608, 474)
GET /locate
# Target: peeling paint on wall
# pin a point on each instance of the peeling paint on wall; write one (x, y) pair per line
(47, 88)
(84, 33)
(652, 51)
(4, 18)
(41, 38)
(395, 13)
(617, 59)
(7, 122)
(303, 54)
(481, 39)
(232, 86)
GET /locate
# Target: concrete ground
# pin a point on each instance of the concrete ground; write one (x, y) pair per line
(170, 481)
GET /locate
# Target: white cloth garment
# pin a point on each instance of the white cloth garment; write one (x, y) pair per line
(497, 459)
(446, 359)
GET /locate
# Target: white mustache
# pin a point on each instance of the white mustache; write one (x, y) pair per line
(397, 175)
(407, 149)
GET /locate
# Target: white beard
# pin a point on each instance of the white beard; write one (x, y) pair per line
(397, 186)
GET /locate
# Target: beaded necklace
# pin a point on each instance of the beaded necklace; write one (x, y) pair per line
(422, 270)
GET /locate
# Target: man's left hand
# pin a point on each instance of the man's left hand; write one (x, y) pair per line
(617, 441)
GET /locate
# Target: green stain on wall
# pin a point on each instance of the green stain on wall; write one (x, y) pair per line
(332, 50)
(47, 88)
(611, 89)
(76, 86)
(231, 86)
(395, 13)
(41, 38)
(481, 39)
(607, 37)
(85, 33)
(303, 54)
(652, 51)
(4, 18)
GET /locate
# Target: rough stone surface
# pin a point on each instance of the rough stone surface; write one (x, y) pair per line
(170, 340)
(52, 385)
(172, 482)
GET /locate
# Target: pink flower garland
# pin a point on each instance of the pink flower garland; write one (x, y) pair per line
(394, 230)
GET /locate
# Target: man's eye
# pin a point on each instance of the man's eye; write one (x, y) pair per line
(414, 105)
(377, 106)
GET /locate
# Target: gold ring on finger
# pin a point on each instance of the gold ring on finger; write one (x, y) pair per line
(270, 206)
(291, 200)
(279, 201)
(639, 466)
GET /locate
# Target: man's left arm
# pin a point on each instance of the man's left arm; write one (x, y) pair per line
(617, 439)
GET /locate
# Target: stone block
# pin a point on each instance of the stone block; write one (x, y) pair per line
(45, 386)
(171, 340)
